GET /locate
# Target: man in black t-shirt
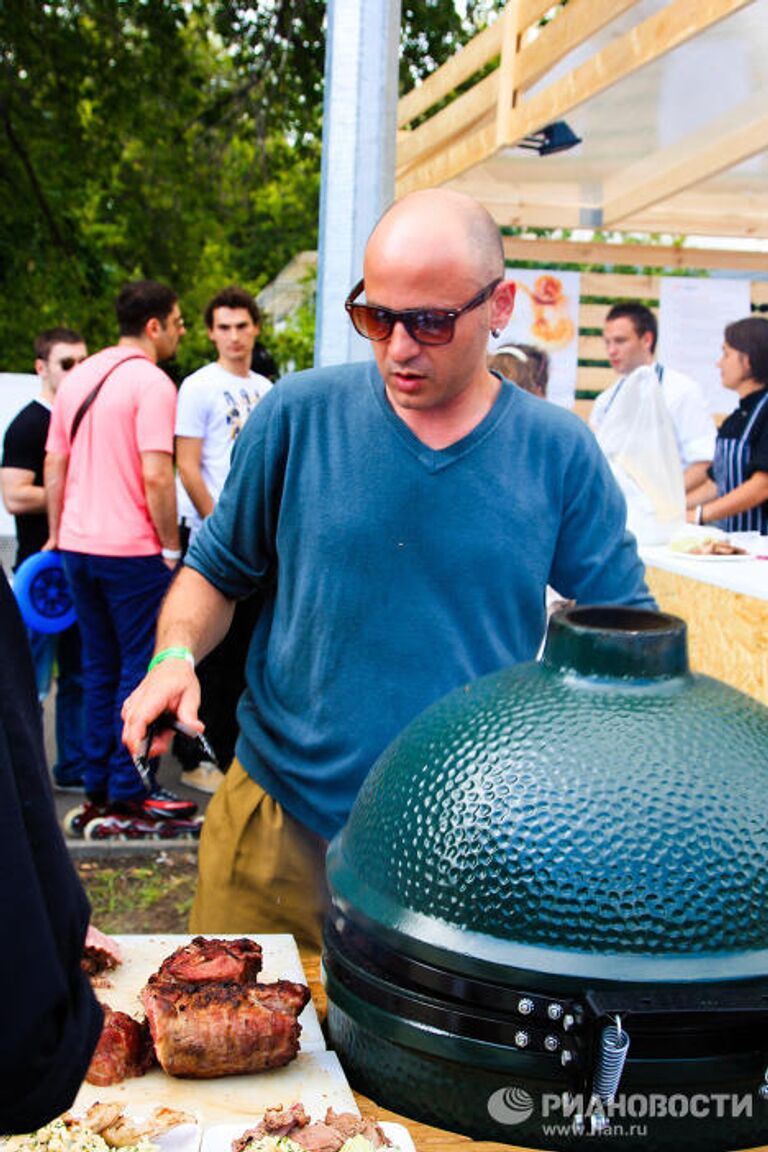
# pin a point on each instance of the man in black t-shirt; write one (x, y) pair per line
(57, 350)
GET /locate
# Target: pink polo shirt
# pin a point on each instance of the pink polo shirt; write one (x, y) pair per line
(105, 509)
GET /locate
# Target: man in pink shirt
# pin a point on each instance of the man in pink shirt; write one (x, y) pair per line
(112, 513)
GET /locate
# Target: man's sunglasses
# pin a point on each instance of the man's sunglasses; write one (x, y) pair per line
(68, 362)
(424, 325)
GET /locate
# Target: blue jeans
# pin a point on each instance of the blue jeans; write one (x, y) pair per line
(64, 650)
(117, 599)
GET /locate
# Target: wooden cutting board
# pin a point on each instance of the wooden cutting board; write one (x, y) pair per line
(228, 1098)
(313, 1076)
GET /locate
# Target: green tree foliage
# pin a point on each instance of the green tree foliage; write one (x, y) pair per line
(173, 139)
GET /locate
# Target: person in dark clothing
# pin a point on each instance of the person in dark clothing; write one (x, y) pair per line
(57, 351)
(735, 494)
(263, 362)
(51, 1018)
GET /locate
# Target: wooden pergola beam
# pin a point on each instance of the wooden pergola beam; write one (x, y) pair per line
(575, 24)
(733, 137)
(460, 116)
(666, 30)
(467, 61)
(558, 252)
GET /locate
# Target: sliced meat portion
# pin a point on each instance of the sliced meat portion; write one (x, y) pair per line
(347, 1124)
(313, 1136)
(124, 1050)
(275, 1122)
(203, 959)
(279, 1121)
(318, 1138)
(100, 952)
(222, 1029)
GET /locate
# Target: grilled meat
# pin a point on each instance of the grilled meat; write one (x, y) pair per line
(349, 1125)
(202, 959)
(275, 1122)
(124, 1050)
(328, 1135)
(204, 1030)
(100, 953)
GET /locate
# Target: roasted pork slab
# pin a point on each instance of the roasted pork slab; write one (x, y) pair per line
(204, 1030)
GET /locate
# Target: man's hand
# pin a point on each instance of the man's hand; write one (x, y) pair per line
(171, 686)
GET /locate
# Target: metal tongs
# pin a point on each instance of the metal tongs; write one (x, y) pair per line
(161, 723)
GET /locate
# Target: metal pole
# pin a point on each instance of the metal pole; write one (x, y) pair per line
(358, 164)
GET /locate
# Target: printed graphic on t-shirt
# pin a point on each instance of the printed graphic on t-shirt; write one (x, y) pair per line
(239, 409)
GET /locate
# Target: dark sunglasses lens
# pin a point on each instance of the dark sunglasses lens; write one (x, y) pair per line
(430, 327)
(373, 323)
(67, 363)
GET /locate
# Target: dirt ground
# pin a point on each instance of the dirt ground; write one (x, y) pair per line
(148, 894)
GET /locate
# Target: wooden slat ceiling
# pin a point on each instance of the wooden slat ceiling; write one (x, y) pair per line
(670, 98)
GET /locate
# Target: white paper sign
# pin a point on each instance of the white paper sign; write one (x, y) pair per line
(547, 314)
(692, 316)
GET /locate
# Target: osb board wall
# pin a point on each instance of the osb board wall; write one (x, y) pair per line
(727, 631)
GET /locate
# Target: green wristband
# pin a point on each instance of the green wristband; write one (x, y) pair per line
(171, 654)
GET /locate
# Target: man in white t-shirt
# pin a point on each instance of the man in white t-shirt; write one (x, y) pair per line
(630, 334)
(214, 404)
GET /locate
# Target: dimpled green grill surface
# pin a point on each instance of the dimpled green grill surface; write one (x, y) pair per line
(603, 814)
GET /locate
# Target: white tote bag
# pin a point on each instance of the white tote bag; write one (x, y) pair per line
(639, 441)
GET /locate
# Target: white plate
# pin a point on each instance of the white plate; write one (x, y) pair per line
(182, 1138)
(706, 556)
(219, 1137)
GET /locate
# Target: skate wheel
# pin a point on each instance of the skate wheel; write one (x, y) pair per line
(69, 823)
(102, 828)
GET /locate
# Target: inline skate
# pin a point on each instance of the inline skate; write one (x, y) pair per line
(159, 816)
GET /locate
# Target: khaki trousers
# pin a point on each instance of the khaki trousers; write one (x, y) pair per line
(259, 870)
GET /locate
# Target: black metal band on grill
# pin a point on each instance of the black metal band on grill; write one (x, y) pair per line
(668, 1022)
(422, 993)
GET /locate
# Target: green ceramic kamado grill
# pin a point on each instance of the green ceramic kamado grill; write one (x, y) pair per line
(550, 903)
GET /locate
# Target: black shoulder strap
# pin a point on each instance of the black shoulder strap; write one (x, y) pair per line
(94, 393)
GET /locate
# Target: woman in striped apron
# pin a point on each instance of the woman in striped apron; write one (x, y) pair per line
(735, 496)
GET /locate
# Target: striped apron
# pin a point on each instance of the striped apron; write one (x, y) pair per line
(730, 468)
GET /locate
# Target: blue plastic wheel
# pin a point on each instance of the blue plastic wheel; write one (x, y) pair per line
(42, 593)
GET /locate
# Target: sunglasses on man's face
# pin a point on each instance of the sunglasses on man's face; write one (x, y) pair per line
(424, 325)
(68, 362)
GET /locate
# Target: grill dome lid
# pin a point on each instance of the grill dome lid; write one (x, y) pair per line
(601, 814)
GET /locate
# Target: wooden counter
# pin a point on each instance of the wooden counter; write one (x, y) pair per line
(725, 605)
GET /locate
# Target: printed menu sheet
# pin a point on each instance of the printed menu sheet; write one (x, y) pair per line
(692, 316)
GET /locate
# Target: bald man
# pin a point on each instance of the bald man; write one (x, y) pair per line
(400, 521)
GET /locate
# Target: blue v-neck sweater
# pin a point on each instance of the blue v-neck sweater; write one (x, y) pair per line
(392, 573)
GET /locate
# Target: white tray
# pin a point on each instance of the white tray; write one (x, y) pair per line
(144, 955)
